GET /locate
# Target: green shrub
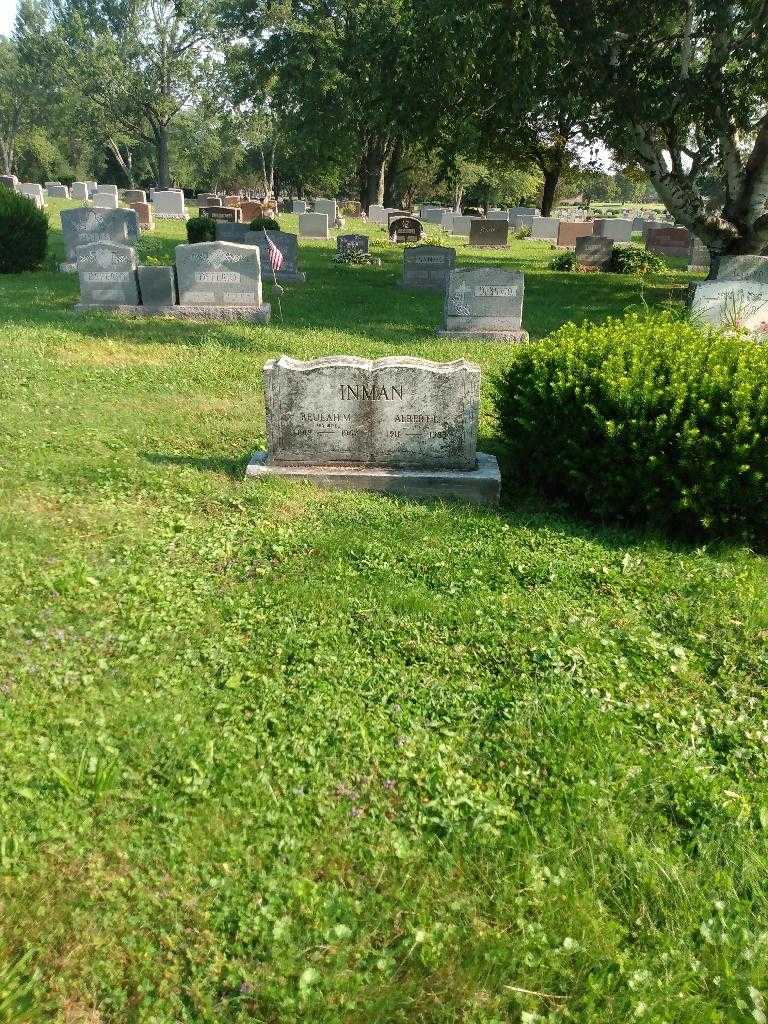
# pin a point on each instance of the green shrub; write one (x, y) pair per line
(563, 261)
(23, 233)
(636, 259)
(472, 211)
(650, 420)
(522, 233)
(264, 224)
(201, 229)
(356, 258)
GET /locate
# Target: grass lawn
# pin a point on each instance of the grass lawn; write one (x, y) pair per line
(275, 754)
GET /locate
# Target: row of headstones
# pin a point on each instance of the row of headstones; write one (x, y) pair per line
(214, 274)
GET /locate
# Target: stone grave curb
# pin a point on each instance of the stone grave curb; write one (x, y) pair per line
(246, 314)
(480, 486)
(517, 336)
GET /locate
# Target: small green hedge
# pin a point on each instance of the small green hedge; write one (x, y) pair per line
(649, 420)
(201, 229)
(23, 233)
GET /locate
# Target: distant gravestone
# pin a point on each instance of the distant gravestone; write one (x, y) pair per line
(377, 214)
(218, 274)
(105, 200)
(732, 304)
(698, 255)
(668, 241)
(486, 302)
(432, 214)
(85, 225)
(288, 244)
(250, 210)
(157, 286)
(169, 205)
(209, 199)
(226, 231)
(134, 195)
(744, 268)
(489, 234)
(144, 212)
(328, 207)
(524, 211)
(299, 206)
(594, 251)
(57, 192)
(33, 191)
(461, 226)
(110, 189)
(229, 214)
(405, 230)
(232, 200)
(428, 266)
(92, 187)
(351, 243)
(9, 181)
(545, 227)
(615, 228)
(569, 231)
(498, 215)
(399, 424)
(351, 208)
(107, 273)
(521, 222)
(79, 190)
(313, 225)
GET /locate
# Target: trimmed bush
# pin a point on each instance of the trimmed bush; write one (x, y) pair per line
(264, 224)
(472, 211)
(649, 420)
(23, 233)
(201, 229)
(563, 261)
(636, 259)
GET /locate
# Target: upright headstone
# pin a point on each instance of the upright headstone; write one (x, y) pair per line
(9, 181)
(33, 191)
(668, 241)
(351, 243)
(313, 225)
(545, 227)
(594, 251)
(218, 274)
(299, 206)
(51, 184)
(351, 208)
(85, 225)
(288, 244)
(569, 231)
(57, 192)
(157, 286)
(489, 234)
(405, 230)
(134, 195)
(104, 200)
(250, 210)
(616, 228)
(79, 190)
(169, 205)
(432, 214)
(107, 273)
(328, 207)
(209, 199)
(377, 215)
(144, 212)
(743, 268)
(232, 200)
(230, 214)
(111, 189)
(733, 304)
(485, 302)
(399, 424)
(228, 231)
(461, 226)
(428, 266)
(698, 255)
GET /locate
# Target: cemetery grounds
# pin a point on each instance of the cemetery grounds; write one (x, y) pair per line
(271, 753)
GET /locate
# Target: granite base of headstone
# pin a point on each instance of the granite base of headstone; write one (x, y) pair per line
(485, 302)
(398, 425)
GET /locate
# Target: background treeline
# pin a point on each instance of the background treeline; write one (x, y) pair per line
(508, 101)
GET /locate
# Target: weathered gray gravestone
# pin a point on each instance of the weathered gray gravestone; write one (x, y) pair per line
(328, 207)
(218, 274)
(169, 204)
(57, 192)
(428, 266)
(377, 214)
(134, 195)
(399, 424)
(489, 234)
(229, 232)
(299, 206)
(744, 268)
(461, 226)
(107, 273)
(313, 225)
(105, 200)
(733, 304)
(432, 214)
(157, 286)
(288, 244)
(79, 190)
(498, 215)
(485, 302)
(86, 225)
(594, 251)
(224, 214)
(616, 228)
(545, 227)
(351, 243)
(9, 181)
(33, 191)
(405, 230)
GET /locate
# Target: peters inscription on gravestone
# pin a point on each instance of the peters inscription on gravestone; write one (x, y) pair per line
(218, 274)
(107, 273)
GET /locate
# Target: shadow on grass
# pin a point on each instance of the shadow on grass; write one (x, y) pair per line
(231, 467)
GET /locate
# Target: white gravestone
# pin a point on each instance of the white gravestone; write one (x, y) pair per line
(105, 200)
(399, 424)
(545, 227)
(107, 273)
(313, 225)
(485, 302)
(57, 192)
(733, 304)
(616, 228)
(34, 192)
(79, 190)
(378, 215)
(169, 205)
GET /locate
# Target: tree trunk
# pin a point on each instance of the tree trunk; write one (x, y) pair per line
(375, 160)
(163, 161)
(390, 174)
(551, 178)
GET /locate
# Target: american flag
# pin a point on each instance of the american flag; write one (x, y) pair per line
(275, 256)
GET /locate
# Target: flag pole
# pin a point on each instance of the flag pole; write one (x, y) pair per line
(277, 290)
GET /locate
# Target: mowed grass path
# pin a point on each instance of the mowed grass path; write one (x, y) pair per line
(274, 754)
